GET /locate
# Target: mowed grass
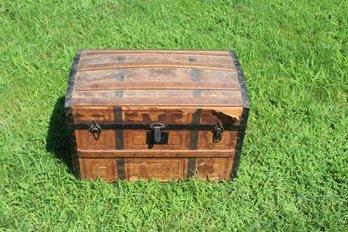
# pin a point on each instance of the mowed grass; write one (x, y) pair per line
(294, 166)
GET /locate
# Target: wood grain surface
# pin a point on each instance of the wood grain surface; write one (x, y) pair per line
(162, 169)
(155, 86)
(131, 78)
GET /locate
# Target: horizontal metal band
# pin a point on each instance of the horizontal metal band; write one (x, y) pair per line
(150, 153)
(137, 126)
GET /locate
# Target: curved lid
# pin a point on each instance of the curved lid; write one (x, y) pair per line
(155, 78)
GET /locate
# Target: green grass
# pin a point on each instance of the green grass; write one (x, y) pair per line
(294, 166)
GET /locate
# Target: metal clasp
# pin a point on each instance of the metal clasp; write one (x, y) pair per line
(217, 132)
(95, 129)
(157, 131)
(155, 135)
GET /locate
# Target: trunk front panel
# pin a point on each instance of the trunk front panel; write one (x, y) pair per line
(162, 169)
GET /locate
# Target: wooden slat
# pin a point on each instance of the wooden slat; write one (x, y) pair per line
(168, 114)
(154, 58)
(155, 153)
(87, 86)
(98, 168)
(158, 97)
(100, 114)
(182, 94)
(186, 52)
(151, 54)
(85, 140)
(158, 74)
(197, 102)
(213, 168)
(158, 78)
(162, 169)
(104, 66)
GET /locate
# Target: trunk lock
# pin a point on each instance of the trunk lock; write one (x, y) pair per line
(217, 132)
(156, 136)
(95, 129)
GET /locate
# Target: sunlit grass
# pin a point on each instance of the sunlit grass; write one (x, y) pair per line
(294, 166)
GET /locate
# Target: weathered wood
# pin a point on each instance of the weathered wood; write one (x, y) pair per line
(213, 168)
(161, 52)
(155, 114)
(158, 97)
(145, 94)
(109, 59)
(149, 87)
(85, 140)
(162, 169)
(226, 67)
(119, 101)
(149, 153)
(83, 86)
(98, 168)
(136, 139)
(99, 114)
(181, 75)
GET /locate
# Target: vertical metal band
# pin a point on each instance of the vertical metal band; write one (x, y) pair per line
(118, 132)
(120, 169)
(74, 155)
(244, 117)
(119, 143)
(121, 59)
(118, 93)
(120, 76)
(191, 167)
(192, 59)
(196, 118)
(72, 77)
(236, 159)
(69, 115)
(195, 75)
(196, 93)
(241, 79)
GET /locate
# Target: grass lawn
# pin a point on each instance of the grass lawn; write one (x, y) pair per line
(294, 166)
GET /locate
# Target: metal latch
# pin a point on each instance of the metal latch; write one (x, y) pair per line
(217, 132)
(95, 129)
(156, 136)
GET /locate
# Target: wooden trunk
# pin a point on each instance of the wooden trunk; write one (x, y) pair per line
(163, 114)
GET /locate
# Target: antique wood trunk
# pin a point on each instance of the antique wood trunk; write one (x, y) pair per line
(162, 114)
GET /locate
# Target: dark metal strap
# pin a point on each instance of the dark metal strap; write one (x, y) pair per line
(121, 59)
(119, 143)
(120, 76)
(192, 59)
(73, 71)
(196, 117)
(241, 79)
(236, 159)
(137, 126)
(196, 93)
(191, 169)
(120, 169)
(195, 75)
(118, 93)
(244, 117)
